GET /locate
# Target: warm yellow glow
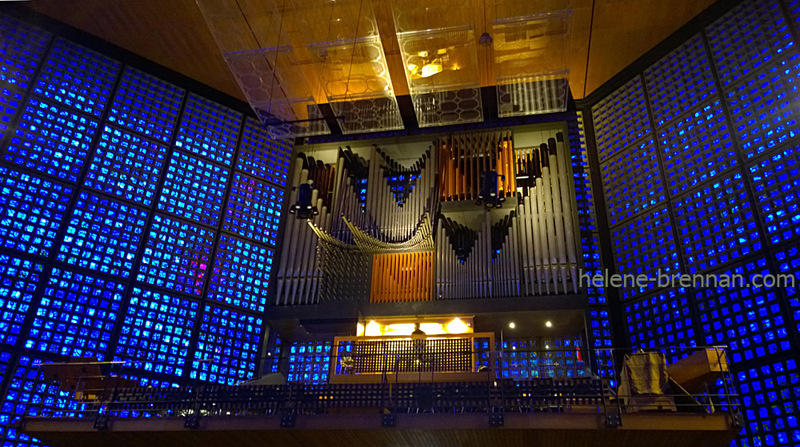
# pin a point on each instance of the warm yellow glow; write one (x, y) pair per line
(430, 70)
(413, 68)
(432, 328)
(456, 327)
(359, 330)
(398, 329)
(512, 325)
(548, 323)
(373, 329)
(423, 54)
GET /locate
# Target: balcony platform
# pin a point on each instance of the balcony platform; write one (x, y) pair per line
(416, 429)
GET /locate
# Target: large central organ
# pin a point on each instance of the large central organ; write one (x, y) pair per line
(485, 214)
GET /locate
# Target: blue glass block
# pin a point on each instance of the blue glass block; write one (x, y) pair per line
(153, 382)
(743, 315)
(632, 182)
(156, 332)
(769, 398)
(660, 321)
(241, 274)
(592, 265)
(22, 47)
(209, 130)
(748, 37)
(764, 108)
(316, 365)
(78, 77)
(176, 256)
(227, 346)
(18, 281)
(51, 139)
(262, 156)
(126, 166)
(30, 395)
(697, 147)
(620, 119)
(679, 81)
(600, 341)
(788, 260)
(645, 246)
(103, 235)
(31, 211)
(716, 224)
(583, 182)
(76, 315)
(10, 102)
(254, 209)
(776, 182)
(146, 105)
(193, 189)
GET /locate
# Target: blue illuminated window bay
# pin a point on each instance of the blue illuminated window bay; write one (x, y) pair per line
(696, 148)
(51, 139)
(146, 105)
(76, 315)
(78, 77)
(156, 332)
(716, 224)
(764, 108)
(126, 166)
(253, 209)
(209, 130)
(309, 362)
(645, 245)
(21, 48)
(31, 211)
(10, 102)
(18, 281)
(750, 36)
(241, 274)
(176, 256)
(194, 189)
(620, 119)
(103, 235)
(227, 346)
(632, 182)
(679, 81)
(776, 180)
(262, 156)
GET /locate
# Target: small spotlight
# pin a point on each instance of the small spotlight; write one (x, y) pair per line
(546, 346)
(512, 325)
(548, 323)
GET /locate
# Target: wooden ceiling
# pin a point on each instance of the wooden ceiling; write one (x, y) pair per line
(606, 35)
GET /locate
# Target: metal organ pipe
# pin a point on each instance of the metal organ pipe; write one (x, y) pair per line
(558, 218)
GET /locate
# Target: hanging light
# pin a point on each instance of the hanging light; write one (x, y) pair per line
(303, 208)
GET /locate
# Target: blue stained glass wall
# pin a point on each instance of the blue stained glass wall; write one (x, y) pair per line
(138, 220)
(724, 106)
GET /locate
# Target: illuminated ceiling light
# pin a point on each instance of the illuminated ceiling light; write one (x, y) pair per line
(359, 330)
(373, 329)
(423, 54)
(512, 325)
(546, 346)
(548, 323)
(430, 70)
(456, 327)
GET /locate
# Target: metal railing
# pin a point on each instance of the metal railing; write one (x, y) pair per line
(488, 393)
